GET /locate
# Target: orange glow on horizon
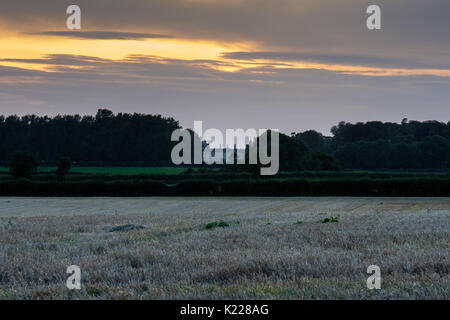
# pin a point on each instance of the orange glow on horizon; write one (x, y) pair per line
(23, 46)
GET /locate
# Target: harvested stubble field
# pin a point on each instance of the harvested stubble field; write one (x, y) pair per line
(272, 249)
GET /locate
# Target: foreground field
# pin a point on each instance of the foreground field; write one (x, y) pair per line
(273, 248)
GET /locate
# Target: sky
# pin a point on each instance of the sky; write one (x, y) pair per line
(292, 65)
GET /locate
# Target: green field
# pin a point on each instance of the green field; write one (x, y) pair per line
(114, 170)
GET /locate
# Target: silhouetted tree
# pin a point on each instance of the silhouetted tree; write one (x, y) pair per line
(314, 140)
(64, 165)
(292, 153)
(23, 165)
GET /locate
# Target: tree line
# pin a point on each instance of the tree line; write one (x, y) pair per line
(105, 137)
(140, 138)
(385, 145)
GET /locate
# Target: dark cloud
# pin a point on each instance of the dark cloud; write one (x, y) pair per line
(133, 68)
(102, 35)
(61, 59)
(329, 58)
(8, 72)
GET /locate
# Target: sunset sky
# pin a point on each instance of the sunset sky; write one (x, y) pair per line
(292, 65)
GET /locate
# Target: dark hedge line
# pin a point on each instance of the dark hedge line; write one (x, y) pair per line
(275, 187)
(224, 176)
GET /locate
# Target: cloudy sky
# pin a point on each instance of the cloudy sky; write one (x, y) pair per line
(293, 65)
